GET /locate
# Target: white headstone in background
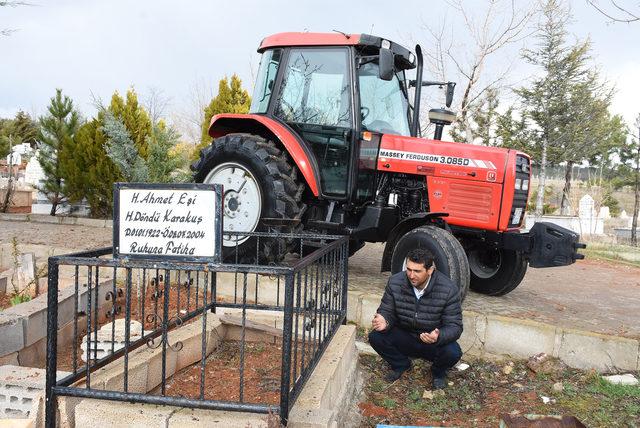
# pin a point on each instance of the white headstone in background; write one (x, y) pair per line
(604, 212)
(25, 271)
(624, 215)
(586, 208)
(33, 173)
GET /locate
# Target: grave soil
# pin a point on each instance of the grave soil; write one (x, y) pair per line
(5, 301)
(262, 366)
(482, 394)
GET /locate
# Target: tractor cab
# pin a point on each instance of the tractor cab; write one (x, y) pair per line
(331, 90)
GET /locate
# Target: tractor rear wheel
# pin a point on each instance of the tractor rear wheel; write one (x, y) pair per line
(449, 255)
(495, 271)
(261, 193)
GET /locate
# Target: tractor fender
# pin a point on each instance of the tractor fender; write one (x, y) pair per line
(407, 224)
(227, 123)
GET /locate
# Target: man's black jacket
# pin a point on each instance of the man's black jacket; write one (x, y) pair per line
(439, 307)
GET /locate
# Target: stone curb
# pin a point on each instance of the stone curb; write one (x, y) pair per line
(494, 335)
(58, 219)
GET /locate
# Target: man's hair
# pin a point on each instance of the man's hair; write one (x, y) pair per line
(420, 255)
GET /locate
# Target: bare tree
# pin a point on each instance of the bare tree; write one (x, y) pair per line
(499, 25)
(188, 121)
(8, 196)
(9, 31)
(615, 12)
(156, 102)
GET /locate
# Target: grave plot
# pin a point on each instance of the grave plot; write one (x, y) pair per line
(241, 337)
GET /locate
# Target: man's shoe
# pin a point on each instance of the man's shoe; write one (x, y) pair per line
(440, 381)
(394, 375)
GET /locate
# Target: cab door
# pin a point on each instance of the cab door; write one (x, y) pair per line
(315, 100)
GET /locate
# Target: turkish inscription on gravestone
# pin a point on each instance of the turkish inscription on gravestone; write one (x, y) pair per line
(177, 222)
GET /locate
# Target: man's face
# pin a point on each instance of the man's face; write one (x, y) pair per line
(417, 273)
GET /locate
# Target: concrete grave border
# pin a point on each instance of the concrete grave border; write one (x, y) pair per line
(323, 402)
(23, 328)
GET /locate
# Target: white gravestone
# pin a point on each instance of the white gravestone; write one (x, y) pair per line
(103, 346)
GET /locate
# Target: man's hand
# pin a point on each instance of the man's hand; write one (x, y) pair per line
(430, 337)
(379, 323)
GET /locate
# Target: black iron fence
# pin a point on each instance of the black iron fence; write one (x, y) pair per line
(123, 307)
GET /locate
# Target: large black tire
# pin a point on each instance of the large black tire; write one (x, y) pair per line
(449, 255)
(265, 167)
(495, 271)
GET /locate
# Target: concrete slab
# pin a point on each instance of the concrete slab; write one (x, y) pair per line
(21, 388)
(596, 351)
(34, 355)
(10, 359)
(328, 389)
(17, 423)
(11, 332)
(354, 306)
(34, 318)
(518, 338)
(370, 304)
(196, 418)
(474, 333)
(116, 414)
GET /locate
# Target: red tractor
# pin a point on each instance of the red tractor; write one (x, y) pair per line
(331, 145)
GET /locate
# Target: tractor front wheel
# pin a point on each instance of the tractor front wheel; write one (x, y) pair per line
(447, 251)
(495, 271)
(260, 189)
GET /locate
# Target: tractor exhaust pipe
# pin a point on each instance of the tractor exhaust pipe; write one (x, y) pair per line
(416, 102)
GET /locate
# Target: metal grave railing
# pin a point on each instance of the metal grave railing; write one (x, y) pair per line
(123, 305)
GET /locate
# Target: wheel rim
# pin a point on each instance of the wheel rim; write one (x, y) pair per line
(242, 200)
(485, 264)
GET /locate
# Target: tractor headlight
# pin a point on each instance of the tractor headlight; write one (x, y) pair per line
(525, 184)
(385, 44)
(518, 183)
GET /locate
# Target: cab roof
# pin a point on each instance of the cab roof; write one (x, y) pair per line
(364, 41)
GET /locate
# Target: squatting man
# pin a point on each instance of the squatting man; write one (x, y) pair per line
(420, 317)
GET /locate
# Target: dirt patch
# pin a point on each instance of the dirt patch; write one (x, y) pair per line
(262, 367)
(5, 301)
(482, 394)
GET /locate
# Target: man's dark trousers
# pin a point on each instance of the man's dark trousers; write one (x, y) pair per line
(397, 345)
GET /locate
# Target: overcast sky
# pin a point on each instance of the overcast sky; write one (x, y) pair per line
(95, 47)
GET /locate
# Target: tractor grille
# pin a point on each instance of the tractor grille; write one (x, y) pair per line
(523, 177)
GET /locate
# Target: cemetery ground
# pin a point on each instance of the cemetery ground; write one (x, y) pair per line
(488, 391)
(600, 294)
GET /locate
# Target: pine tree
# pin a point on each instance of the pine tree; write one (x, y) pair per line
(134, 117)
(165, 163)
(567, 104)
(89, 171)
(162, 164)
(122, 150)
(231, 98)
(57, 128)
(21, 129)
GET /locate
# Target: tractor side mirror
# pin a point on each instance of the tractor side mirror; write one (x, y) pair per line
(385, 64)
(451, 86)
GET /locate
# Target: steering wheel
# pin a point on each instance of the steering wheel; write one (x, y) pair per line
(381, 126)
(364, 112)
